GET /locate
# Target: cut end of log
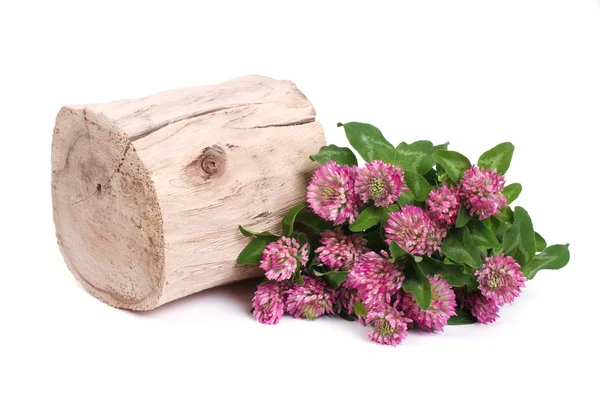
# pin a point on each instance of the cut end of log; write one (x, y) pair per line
(148, 193)
(107, 215)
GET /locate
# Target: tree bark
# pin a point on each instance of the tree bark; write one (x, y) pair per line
(148, 193)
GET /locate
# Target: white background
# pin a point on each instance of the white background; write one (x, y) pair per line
(475, 73)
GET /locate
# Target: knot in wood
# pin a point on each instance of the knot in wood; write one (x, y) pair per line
(213, 160)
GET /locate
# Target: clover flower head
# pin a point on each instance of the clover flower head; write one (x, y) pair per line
(380, 182)
(481, 192)
(414, 231)
(310, 300)
(280, 258)
(331, 193)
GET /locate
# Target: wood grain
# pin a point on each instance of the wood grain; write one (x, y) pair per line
(148, 193)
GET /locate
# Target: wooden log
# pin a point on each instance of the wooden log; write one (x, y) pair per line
(148, 193)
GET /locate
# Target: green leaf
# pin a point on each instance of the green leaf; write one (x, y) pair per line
(453, 163)
(360, 309)
(416, 282)
(386, 213)
(460, 248)
(482, 236)
(519, 239)
(375, 241)
(501, 228)
(462, 317)
(392, 208)
(497, 158)
(463, 217)
(298, 279)
(417, 185)
(369, 217)
(344, 314)
(396, 251)
(443, 146)
(454, 274)
(491, 223)
(341, 155)
(301, 238)
(506, 215)
(313, 221)
(540, 243)
(314, 263)
(415, 157)
(406, 198)
(512, 191)
(248, 233)
(369, 142)
(554, 257)
(252, 253)
(335, 278)
(431, 177)
(289, 218)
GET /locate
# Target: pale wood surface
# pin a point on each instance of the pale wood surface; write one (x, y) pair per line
(148, 193)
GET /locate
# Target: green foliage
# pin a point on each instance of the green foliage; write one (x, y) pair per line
(417, 185)
(341, 155)
(415, 157)
(332, 277)
(386, 213)
(462, 317)
(454, 274)
(512, 192)
(336, 278)
(453, 163)
(540, 243)
(369, 142)
(519, 239)
(248, 233)
(463, 217)
(482, 236)
(297, 278)
(360, 309)
(506, 215)
(301, 238)
(502, 227)
(396, 251)
(497, 158)
(368, 218)
(443, 146)
(406, 198)
(252, 253)
(554, 257)
(460, 248)
(431, 177)
(491, 223)
(416, 282)
(287, 224)
(344, 314)
(312, 221)
(375, 240)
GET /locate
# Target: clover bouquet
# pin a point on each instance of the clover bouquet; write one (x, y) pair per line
(416, 238)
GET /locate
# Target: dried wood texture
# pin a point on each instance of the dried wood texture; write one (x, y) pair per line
(148, 193)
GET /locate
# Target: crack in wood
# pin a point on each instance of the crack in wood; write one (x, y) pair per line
(304, 121)
(153, 129)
